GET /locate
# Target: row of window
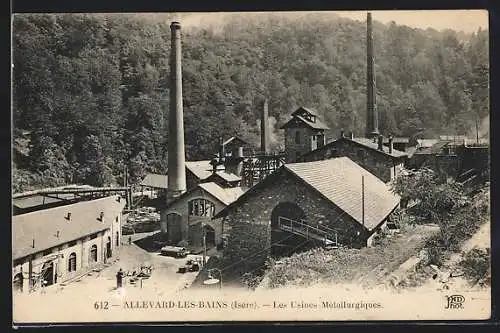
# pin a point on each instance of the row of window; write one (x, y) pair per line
(72, 258)
(201, 207)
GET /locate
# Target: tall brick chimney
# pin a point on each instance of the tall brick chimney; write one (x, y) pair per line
(371, 92)
(176, 153)
(264, 129)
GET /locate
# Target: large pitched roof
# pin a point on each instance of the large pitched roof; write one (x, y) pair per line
(155, 181)
(224, 195)
(228, 176)
(43, 225)
(201, 169)
(338, 180)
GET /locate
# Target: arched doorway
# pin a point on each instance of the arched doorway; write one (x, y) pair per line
(109, 252)
(283, 242)
(209, 235)
(286, 210)
(93, 254)
(174, 228)
(47, 273)
(17, 282)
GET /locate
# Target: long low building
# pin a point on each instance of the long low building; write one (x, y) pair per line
(57, 244)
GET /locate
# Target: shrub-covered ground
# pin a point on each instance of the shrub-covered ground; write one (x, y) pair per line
(367, 266)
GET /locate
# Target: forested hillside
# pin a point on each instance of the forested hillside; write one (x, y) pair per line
(91, 92)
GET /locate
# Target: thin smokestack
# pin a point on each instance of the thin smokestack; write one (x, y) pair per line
(176, 153)
(264, 128)
(371, 91)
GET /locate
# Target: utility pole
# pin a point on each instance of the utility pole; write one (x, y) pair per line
(204, 245)
(477, 132)
(363, 199)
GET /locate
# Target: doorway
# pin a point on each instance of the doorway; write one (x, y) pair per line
(17, 282)
(109, 252)
(48, 273)
(209, 235)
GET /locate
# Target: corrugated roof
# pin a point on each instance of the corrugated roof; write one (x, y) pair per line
(434, 149)
(43, 225)
(201, 169)
(228, 176)
(225, 195)
(339, 180)
(155, 181)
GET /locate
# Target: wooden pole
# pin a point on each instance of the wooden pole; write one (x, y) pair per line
(363, 199)
(204, 246)
(477, 132)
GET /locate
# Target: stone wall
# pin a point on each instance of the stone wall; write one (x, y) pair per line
(304, 146)
(379, 164)
(191, 225)
(250, 221)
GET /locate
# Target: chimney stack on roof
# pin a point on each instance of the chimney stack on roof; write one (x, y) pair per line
(391, 145)
(68, 216)
(371, 98)
(176, 153)
(264, 128)
(380, 143)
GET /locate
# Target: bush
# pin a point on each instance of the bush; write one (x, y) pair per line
(476, 264)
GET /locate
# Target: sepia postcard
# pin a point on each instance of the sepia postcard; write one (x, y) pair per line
(250, 166)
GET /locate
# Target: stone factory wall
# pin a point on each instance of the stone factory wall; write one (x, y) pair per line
(250, 221)
(384, 167)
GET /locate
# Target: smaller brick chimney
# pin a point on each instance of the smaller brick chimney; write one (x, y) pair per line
(390, 144)
(381, 143)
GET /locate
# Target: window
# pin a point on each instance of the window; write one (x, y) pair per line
(297, 137)
(201, 207)
(93, 253)
(72, 262)
(314, 137)
(117, 239)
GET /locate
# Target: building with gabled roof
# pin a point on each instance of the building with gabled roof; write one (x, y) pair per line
(190, 215)
(304, 132)
(385, 162)
(57, 244)
(333, 202)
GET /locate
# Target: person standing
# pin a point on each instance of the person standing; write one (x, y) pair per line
(119, 278)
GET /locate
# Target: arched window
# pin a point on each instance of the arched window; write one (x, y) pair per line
(201, 207)
(297, 137)
(117, 238)
(93, 253)
(72, 262)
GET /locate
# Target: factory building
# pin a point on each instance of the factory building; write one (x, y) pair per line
(190, 216)
(330, 202)
(304, 133)
(384, 162)
(58, 244)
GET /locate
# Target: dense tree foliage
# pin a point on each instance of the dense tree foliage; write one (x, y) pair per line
(93, 90)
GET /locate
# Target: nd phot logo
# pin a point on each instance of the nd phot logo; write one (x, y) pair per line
(455, 302)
